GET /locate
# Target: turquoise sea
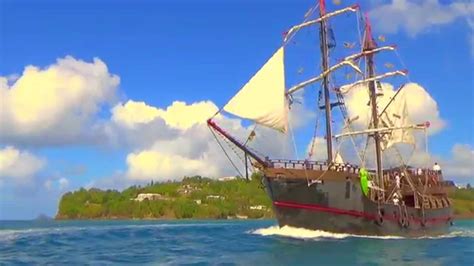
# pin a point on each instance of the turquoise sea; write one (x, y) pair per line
(219, 242)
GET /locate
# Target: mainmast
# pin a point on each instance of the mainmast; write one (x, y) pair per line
(325, 56)
(369, 44)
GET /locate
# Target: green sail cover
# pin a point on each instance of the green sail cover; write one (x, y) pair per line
(364, 181)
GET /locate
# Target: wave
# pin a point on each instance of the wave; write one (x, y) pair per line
(302, 233)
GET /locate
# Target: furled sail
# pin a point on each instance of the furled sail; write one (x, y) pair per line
(399, 119)
(338, 159)
(263, 98)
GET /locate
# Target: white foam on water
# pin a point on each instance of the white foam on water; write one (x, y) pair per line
(302, 233)
(293, 232)
(464, 233)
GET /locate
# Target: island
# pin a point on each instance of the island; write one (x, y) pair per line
(195, 198)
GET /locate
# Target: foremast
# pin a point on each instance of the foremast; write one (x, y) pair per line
(323, 32)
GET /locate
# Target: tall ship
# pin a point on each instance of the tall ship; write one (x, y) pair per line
(381, 194)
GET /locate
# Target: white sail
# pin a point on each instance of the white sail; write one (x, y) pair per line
(263, 98)
(400, 118)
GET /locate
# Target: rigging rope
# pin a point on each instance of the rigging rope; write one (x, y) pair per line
(250, 135)
(296, 154)
(307, 17)
(407, 76)
(358, 18)
(225, 152)
(231, 146)
(313, 141)
(347, 122)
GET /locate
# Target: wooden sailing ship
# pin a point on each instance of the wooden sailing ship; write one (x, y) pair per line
(332, 195)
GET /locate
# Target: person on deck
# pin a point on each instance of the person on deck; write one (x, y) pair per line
(437, 168)
(395, 199)
(397, 180)
(420, 171)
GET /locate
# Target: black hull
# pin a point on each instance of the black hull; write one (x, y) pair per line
(339, 206)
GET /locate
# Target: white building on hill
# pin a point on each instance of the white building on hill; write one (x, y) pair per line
(226, 178)
(149, 196)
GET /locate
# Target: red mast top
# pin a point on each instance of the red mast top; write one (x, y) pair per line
(322, 7)
(369, 42)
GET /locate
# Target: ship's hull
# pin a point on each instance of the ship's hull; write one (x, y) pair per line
(338, 205)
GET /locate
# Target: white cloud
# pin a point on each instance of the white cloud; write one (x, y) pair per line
(54, 105)
(18, 166)
(133, 113)
(179, 115)
(158, 166)
(183, 150)
(63, 183)
(187, 147)
(461, 163)
(58, 184)
(318, 149)
(421, 106)
(414, 17)
(138, 125)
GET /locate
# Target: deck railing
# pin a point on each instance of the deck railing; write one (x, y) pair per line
(420, 174)
(312, 165)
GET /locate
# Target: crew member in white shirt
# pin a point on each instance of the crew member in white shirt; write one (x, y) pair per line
(397, 181)
(437, 168)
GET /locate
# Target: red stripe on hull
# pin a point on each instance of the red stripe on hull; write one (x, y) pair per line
(315, 207)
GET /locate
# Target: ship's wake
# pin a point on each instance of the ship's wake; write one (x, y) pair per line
(306, 234)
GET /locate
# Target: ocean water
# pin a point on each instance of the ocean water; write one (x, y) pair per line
(220, 242)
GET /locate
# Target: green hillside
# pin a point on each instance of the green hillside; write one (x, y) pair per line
(463, 201)
(193, 197)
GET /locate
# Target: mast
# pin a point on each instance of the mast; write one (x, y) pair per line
(369, 44)
(325, 57)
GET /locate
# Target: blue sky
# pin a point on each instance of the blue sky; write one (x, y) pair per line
(194, 51)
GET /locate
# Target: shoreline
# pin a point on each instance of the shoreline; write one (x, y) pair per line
(456, 217)
(467, 216)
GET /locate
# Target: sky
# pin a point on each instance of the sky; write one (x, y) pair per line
(113, 93)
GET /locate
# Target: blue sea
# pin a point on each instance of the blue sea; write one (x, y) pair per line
(220, 242)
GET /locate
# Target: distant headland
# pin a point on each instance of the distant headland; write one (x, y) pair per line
(194, 198)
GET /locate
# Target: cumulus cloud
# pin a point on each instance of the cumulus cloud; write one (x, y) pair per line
(421, 106)
(55, 104)
(318, 149)
(18, 166)
(178, 115)
(181, 149)
(151, 164)
(456, 165)
(461, 163)
(134, 113)
(138, 125)
(414, 17)
(186, 147)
